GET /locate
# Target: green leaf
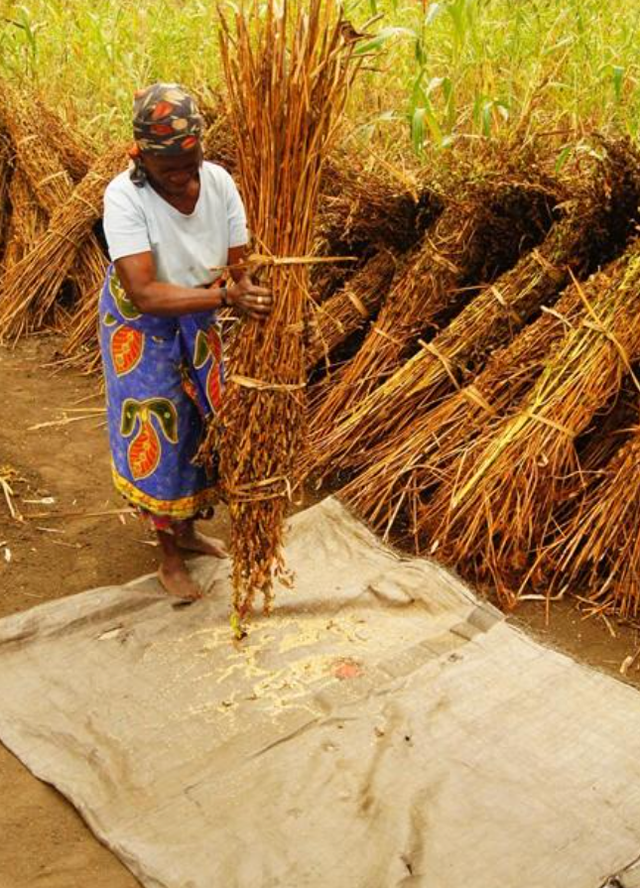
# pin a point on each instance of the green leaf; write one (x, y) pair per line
(417, 129)
(130, 412)
(617, 75)
(434, 127)
(381, 38)
(562, 158)
(433, 12)
(202, 352)
(164, 410)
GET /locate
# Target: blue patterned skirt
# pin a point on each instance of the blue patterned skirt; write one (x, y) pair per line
(164, 379)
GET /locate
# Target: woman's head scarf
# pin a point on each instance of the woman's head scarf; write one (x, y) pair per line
(166, 121)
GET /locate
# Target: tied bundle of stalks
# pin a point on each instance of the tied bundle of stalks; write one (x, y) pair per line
(6, 171)
(504, 504)
(480, 233)
(287, 72)
(408, 486)
(598, 548)
(29, 290)
(598, 222)
(367, 207)
(27, 221)
(80, 347)
(352, 307)
(36, 155)
(75, 155)
(611, 428)
(218, 142)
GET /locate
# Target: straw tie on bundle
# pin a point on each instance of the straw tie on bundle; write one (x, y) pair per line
(352, 306)
(287, 70)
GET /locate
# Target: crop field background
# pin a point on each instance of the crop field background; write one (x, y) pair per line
(437, 71)
(487, 168)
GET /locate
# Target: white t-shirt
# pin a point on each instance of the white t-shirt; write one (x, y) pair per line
(185, 247)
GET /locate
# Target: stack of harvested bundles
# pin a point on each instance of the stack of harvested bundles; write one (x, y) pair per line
(44, 146)
(598, 549)
(396, 492)
(352, 306)
(598, 223)
(505, 500)
(80, 345)
(287, 78)
(87, 274)
(29, 290)
(480, 233)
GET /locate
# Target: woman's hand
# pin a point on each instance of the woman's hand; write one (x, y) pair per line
(249, 298)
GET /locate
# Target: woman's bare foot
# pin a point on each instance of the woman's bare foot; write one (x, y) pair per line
(176, 580)
(194, 541)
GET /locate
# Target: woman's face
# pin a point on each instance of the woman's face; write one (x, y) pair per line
(175, 175)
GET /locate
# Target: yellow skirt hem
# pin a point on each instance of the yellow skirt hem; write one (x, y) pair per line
(180, 509)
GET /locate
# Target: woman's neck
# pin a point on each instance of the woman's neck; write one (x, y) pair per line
(184, 202)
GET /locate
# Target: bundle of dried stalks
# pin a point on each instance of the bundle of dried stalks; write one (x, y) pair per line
(367, 207)
(27, 221)
(611, 428)
(479, 234)
(504, 503)
(36, 154)
(6, 172)
(29, 290)
(364, 209)
(219, 142)
(598, 223)
(75, 155)
(80, 346)
(287, 71)
(360, 211)
(408, 484)
(352, 307)
(598, 549)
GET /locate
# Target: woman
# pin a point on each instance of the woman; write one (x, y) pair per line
(169, 221)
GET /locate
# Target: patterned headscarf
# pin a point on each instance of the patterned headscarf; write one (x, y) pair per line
(166, 120)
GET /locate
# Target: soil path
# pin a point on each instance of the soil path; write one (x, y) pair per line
(43, 842)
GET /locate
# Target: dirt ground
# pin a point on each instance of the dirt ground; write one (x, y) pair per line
(43, 842)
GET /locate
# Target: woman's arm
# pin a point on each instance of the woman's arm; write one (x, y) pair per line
(137, 274)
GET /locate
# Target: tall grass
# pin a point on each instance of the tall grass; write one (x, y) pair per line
(439, 70)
